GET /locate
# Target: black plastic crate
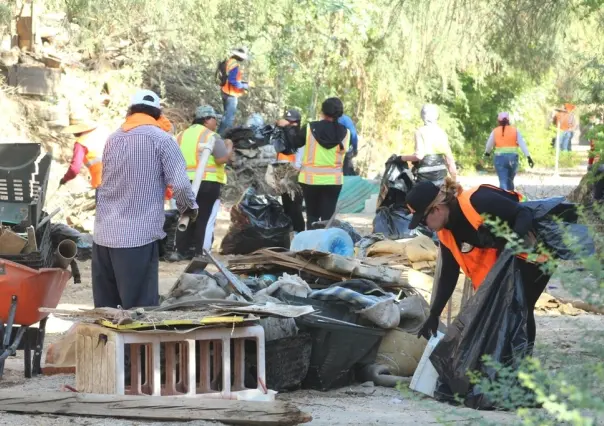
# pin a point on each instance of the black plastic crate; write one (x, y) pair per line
(43, 257)
(336, 350)
(24, 171)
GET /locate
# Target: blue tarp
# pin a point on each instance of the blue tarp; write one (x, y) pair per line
(355, 191)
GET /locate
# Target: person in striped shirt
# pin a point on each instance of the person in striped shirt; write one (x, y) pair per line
(140, 161)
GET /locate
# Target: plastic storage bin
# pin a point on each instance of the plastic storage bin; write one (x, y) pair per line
(24, 170)
(337, 349)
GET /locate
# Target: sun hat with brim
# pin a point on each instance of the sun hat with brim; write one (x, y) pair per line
(419, 200)
(79, 128)
(240, 52)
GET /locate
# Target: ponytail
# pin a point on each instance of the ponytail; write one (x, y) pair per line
(449, 191)
(503, 123)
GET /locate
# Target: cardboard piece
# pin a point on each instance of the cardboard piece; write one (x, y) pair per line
(11, 243)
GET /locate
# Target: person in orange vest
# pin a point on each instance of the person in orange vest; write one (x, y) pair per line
(467, 244)
(292, 206)
(192, 142)
(506, 140)
(565, 118)
(87, 151)
(233, 88)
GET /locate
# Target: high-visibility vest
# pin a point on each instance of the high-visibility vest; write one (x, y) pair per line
(506, 141)
(322, 166)
(94, 142)
(228, 88)
(290, 158)
(192, 141)
(566, 120)
(476, 263)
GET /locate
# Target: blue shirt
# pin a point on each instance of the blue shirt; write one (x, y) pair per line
(346, 121)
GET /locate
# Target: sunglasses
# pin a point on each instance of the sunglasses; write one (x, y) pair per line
(430, 210)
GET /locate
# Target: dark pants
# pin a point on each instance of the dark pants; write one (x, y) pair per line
(202, 230)
(126, 277)
(321, 202)
(535, 281)
(506, 166)
(229, 104)
(599, 184)
(293, 209)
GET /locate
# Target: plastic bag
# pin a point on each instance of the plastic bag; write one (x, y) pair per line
(548, 213)
(332, 240)
(356, 237)
(396, 182)
(257, 221)
(393, 223)
(492, 323)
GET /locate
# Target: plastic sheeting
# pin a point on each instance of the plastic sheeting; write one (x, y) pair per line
(493, 323)
(257, 221)
(355, 191)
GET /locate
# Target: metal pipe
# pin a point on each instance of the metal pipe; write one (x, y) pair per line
(47, 218)
(66, 252)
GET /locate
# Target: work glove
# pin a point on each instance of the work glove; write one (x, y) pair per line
(429, 328)
(530, 161)
(192, 214)
(61, 183)
(486, 154)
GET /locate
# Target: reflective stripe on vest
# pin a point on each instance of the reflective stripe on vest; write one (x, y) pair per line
(94, 142)
(476, 263)
(228, 88)
(192, 142)
(322, 166)
(506, 141)
(428, 169)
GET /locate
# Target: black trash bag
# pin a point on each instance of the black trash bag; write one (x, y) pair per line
(356, 237)
(242, 137)
(397, 181)
(554, 221)
(257, 221)
(393, 222)
(493, 323)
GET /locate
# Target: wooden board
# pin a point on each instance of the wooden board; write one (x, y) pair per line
(149, 408)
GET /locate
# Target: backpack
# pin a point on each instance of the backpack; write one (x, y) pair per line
(221, 73)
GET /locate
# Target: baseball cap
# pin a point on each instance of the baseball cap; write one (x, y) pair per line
(146, 97)
(503, 116)
(292, 115)
(206, 111)
(419, 199)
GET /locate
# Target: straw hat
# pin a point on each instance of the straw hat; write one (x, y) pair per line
(79, 125)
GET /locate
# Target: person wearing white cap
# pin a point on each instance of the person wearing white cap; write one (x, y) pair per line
(233, 86)
(432, 157)
(506, 140)
(140, 160)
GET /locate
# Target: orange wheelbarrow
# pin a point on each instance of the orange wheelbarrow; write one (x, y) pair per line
(22, 292)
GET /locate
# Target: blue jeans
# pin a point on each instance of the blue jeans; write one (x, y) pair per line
(565, 140)
(230, 108)
(506, 166)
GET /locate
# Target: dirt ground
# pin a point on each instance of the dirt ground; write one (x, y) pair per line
(356, 405)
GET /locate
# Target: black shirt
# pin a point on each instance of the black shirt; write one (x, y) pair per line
(490, 202)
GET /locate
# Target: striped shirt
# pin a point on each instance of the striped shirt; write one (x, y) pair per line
(137, 167)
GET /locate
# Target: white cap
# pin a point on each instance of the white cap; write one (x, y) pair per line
(146, 97)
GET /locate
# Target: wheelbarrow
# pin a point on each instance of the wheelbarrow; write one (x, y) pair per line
(22, 292)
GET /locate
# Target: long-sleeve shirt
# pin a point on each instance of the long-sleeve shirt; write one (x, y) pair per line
(487, 201)
(77, 161)
(138, 165)
(346, 121)
(519, 140)
(235, 78)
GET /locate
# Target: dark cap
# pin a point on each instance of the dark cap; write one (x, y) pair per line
(419, 199)
(292, 115)
(333, 107)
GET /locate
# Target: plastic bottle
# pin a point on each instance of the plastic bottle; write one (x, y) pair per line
(332, 240)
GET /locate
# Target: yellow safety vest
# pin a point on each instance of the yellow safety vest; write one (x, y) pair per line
(192, 141)
(322, 166)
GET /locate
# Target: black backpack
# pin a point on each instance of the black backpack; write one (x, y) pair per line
(221, 73)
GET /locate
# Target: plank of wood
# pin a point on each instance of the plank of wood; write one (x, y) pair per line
(152, 408)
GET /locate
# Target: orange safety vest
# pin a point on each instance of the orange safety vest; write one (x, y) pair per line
(506, 142)
(565, 119)
(290, 158)
(228, 88)
(476, 263)
(94, 142)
